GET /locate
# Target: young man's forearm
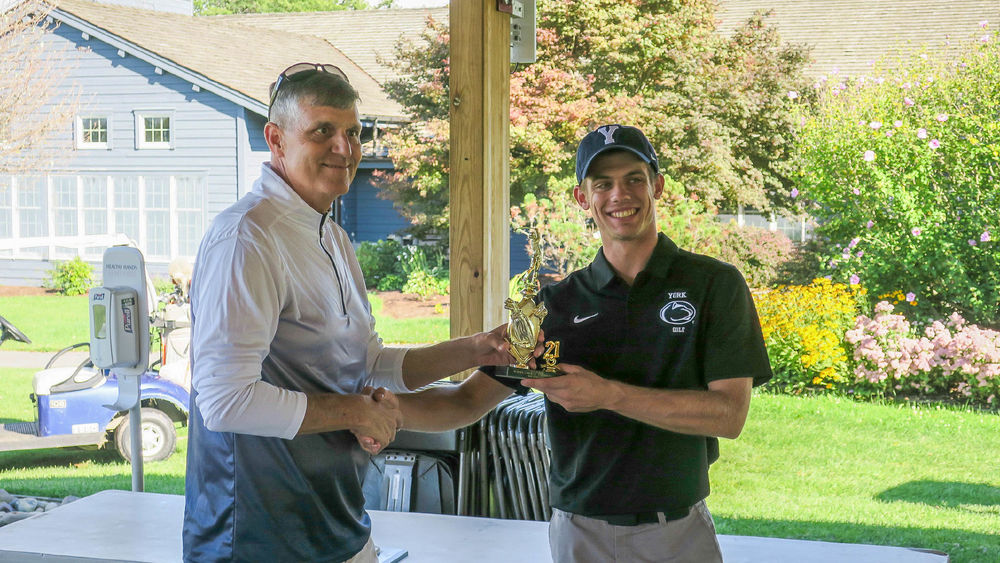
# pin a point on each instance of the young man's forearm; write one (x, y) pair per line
(719, 411)
(451, 406)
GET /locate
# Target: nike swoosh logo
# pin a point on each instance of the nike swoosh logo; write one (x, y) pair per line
(578, 319)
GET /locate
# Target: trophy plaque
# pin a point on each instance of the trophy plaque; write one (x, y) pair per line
(525, 321)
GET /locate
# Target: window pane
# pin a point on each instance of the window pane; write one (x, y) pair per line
(64, 205)
(751, 219)
(64, 191)
(65, 222)
(791, 228)
(31, 207)
(95, 205)
(188, 233)
(6, 210)
(126, 192)
(157, 129)
(157, 215)
(158, 234)
(95, 192)
(188, 192)
(127, 223)
(95, 222)
(157, 192)
(190, 214)
(126, 206)
(94, 129)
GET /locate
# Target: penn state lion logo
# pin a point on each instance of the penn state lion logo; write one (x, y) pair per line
(678, 313)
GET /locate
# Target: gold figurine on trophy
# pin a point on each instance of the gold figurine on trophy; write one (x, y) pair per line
(525, 318)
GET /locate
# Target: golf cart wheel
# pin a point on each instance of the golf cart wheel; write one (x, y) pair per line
(158, 436)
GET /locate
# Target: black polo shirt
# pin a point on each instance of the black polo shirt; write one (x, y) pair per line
(687, 320)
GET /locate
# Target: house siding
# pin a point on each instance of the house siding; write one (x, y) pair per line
(205, 134)
(213, 139)
(364, 215)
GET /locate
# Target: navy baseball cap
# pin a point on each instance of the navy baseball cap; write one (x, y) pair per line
(612, 137)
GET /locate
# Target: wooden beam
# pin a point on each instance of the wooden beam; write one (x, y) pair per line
(479, 162)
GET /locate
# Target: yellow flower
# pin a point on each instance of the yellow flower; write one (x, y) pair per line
(804, 329)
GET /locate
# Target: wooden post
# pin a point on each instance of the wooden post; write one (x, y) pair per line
(480, 141)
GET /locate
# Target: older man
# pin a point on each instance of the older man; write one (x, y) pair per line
(284, 350)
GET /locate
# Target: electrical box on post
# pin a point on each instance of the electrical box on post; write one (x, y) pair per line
(522, 31)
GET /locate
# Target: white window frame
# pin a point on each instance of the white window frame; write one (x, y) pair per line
(140, 129)
(78, 132)
(788, 226)
(50, 246)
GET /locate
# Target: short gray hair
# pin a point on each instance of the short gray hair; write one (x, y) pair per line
(320, 89)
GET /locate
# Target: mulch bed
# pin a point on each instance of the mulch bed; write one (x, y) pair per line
(400, 305)
(395, 304)
(21, 290)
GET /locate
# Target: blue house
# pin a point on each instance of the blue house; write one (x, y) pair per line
(168, 132)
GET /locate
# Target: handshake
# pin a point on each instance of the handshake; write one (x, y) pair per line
(377, 413)
(381, 419)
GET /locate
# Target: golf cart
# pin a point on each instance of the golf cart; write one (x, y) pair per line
(73, 405)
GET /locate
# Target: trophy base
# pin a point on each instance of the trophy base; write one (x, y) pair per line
(513, 372)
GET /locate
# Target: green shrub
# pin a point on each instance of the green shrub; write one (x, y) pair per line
(389, 266)
(163, 286)
(72, 277)
(428, 259)
(757, 253)
(426, 271)
(390, 282)
(382, 264)
(425, 285)
(900, 170)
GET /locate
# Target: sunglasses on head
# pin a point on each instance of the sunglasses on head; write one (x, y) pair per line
(301, 71)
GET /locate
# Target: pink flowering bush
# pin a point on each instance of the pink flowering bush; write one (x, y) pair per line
(952, 357)
(901, 170)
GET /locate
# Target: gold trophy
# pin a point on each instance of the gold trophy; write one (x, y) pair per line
(525, 320)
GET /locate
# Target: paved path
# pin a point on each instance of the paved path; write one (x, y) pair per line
(37, 360)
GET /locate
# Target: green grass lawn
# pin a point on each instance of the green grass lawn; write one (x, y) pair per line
(818, 468)
(832, 469)
(62, 472)
(815, 468)
(408, 331)
(53, 322)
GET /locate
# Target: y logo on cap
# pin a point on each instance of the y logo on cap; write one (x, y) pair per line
(609, 133)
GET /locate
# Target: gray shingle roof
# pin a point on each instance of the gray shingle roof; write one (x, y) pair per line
(243, 58)
(362, 35)
(848, 35)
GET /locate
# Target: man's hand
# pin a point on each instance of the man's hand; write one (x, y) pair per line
(431, 363)
(577, 390)
(381, 421)
(494, 350)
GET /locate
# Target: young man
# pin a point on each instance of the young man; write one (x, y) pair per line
(659, 349)
(284, 351)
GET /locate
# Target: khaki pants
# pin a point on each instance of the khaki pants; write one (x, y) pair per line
(366, 555)
(578, 539)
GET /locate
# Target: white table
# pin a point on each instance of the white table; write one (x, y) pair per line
(122, 526)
